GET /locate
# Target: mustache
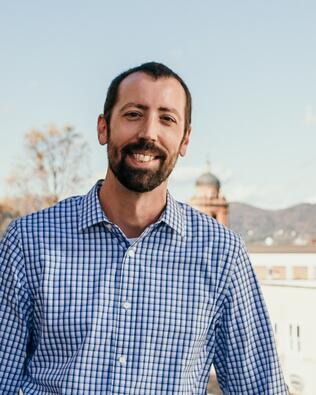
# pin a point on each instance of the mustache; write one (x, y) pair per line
(144, 145)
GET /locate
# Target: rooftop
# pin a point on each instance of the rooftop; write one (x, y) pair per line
(290, 283)
(282, 249)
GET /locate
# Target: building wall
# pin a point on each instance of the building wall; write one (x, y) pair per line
(291, 308)
(284, 266)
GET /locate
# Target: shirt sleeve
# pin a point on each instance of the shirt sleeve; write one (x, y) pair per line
(14, 312)
(246, 360)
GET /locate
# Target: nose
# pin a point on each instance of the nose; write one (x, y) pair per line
(149, 129)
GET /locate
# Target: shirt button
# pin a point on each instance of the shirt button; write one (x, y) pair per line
(122, 360)
(131, 253)
(126, 305)
(108, 227)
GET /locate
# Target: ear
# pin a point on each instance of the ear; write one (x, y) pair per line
(102, 130)
(185, 142)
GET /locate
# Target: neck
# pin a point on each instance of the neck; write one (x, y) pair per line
(132, 211)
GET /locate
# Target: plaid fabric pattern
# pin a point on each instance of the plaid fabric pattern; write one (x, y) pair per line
(83, 311)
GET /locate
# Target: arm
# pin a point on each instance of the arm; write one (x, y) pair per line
(245, 359)
(15, 310)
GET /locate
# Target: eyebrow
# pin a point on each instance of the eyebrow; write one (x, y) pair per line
(132, 104)
(144, 107)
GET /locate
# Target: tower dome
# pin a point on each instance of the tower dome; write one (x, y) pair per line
(208, 179)
(207, 197)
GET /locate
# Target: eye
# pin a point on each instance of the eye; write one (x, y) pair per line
(168, 119)
(132, 115)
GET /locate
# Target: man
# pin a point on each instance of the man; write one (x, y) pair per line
(125, 290)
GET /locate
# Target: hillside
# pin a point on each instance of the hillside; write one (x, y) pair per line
(293, 224)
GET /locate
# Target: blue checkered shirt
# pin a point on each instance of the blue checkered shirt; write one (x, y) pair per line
(83, 311)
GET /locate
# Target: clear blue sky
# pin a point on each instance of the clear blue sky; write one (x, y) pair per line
(251, 67)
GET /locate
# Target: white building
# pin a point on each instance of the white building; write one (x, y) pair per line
(288, 279)
(291, 305)
(284, 262)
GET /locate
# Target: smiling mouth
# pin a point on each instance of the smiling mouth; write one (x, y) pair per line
(144, 157)
(144, 151)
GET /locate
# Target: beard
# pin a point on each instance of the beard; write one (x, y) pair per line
(137, 179)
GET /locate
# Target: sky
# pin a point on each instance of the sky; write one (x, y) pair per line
(250, 66)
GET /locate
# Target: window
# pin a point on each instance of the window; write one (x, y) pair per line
(295, 337)
(298, 340)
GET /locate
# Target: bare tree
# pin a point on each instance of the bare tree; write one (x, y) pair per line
(54, 165)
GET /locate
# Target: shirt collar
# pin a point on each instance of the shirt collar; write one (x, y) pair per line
(173, 215)
(91, 211)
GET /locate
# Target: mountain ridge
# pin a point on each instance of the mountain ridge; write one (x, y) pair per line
(295, 224)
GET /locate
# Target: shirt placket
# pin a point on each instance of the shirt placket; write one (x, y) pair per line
(124, 308)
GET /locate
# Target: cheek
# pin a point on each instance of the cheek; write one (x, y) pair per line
(123, 134)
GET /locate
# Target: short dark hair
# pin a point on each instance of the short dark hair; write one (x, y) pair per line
(154, 69)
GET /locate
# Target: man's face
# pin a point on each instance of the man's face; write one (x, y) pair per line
(146, 133)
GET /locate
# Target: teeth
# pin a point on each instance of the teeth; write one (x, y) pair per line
(143, 158)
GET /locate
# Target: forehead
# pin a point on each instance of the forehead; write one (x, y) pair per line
(143, 88)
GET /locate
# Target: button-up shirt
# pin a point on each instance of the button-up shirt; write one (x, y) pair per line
(83, 311)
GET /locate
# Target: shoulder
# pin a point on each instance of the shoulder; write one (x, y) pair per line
(62, 213)
(205, 228)
(59, 210)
